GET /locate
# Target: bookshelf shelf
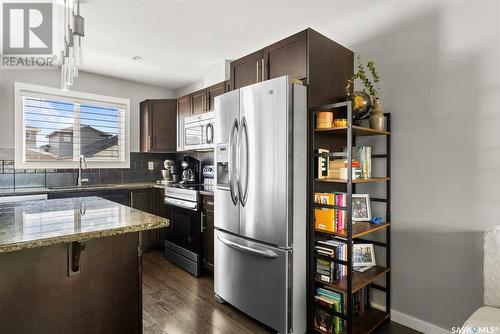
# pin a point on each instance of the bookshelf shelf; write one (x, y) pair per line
(333, 141)
(359, 280)
(358, 229)
(366, 322)
(358, 131)
(370, 180)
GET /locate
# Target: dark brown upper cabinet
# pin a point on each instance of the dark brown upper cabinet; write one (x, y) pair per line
(247, 70)
(183, 111)
(320, 63)
(287, 57)
(212, 92)
(198, 102)
(158, 125)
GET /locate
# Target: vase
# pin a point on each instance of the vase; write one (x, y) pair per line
(377, 118)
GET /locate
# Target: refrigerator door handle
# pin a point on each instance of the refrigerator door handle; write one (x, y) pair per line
(232, 191)
(265, 253)
(243, 130)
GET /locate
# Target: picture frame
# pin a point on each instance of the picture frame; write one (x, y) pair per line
(363, 255)
(361, 207)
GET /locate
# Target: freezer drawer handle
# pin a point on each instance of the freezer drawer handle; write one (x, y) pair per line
(232, 244)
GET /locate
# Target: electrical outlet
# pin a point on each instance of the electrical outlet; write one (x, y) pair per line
(151, 165)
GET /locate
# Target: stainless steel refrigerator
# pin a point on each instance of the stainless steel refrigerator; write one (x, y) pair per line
(260, 202)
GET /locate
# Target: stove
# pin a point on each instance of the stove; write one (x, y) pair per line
(184, 236)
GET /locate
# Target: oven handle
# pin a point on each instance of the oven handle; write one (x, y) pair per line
(232, 244)
(182, 204)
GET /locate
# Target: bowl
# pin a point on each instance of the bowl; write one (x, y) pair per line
(340, 122)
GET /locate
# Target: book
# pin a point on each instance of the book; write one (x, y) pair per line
(323, 321)
(321, 164)
(326, 219)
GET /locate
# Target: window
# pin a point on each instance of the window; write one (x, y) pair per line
(53, 128)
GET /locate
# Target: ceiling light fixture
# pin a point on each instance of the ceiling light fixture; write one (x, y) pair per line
(74, 30)
(136, 57)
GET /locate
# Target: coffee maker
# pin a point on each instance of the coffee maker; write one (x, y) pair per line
(189, 170)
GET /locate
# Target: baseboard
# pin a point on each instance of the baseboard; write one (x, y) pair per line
(416, 324)
(412, 322)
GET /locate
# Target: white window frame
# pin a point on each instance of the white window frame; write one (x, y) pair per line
(21, 89)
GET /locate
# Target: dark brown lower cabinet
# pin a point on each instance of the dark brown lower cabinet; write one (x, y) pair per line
(208, 231)
(149, 200)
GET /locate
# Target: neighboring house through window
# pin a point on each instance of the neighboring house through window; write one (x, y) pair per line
(60, 126)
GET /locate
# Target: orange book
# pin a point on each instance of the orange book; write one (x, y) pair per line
(324, 219)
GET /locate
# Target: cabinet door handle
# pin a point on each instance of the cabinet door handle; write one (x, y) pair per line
(257, 71)
(202, 222)
(263, 66)
(150, 140)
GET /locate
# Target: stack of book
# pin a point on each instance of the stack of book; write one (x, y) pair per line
(328, 270)
(361, 164)
(331, 300)
(330, 220)
(324, 320)
(337, 169)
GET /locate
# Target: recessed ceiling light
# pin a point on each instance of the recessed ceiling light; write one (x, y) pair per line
(136, 57)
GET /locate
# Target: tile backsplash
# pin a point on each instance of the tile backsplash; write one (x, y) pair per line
(138, 172)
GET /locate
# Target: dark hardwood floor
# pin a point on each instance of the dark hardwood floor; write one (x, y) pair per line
(174, 302)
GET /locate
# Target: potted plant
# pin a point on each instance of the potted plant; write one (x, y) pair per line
(366, 103)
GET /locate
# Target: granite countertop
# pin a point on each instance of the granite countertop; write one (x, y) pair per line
(97, 187)
(40, 223)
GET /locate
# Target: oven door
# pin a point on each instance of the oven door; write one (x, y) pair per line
(185, 231)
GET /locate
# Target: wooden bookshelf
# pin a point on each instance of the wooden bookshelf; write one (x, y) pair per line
(358, 229)
(358, 131)
(336, 139)
(370, 180)
(359, 280)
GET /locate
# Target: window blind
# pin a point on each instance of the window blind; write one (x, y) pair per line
(57, 130)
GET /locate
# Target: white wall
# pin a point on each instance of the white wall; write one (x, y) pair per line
(441, 82)
(86, 82)
(212, 75)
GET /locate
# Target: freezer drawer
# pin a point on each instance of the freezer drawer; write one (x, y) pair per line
(254, 278)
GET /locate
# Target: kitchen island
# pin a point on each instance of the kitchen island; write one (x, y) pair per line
(71, 266)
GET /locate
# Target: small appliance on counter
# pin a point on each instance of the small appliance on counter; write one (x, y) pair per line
(189, 170)
(169, 173)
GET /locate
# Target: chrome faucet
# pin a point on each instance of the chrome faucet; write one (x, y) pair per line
(83, 165)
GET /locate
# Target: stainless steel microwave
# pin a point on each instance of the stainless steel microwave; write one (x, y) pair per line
(199, 131)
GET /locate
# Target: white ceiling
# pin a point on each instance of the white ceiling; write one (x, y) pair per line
(178, 39)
